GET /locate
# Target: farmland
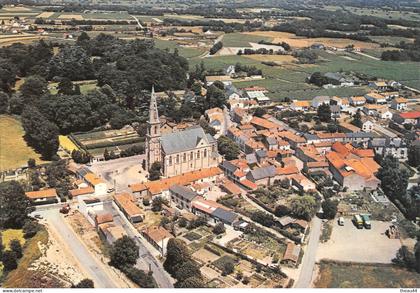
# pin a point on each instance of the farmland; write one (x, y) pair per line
(343, 275)
(12, 139)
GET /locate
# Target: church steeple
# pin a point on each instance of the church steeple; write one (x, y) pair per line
(153, 152)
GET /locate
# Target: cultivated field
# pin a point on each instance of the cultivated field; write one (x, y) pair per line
(343, 275)
(11, 139)
(300, 42)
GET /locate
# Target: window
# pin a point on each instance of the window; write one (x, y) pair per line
(170, 161)
(184, 157)
(191, 156)
(177, 159)
(205, 153)
(198, 154)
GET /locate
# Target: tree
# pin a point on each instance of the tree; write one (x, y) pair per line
(33, 88)
(329, 208)
(81, 157)
(14, 206)
(219, 229)
(303, 207)
(324, 112)
(263, 218)
(414, 154)
(417, 255)
(259, 112)
(394, 181)
(177, 254)
(282, 210)
(1, 246)
(71, 62)
(357, 119)
(30, 228)
(155, 171)
(157, 203)
(141, 278)
(65, 87)
(228, 148)
(216, 47)
(16, 247)
(85, 283)
(124, 252)
(215, 97)
(4, 102)
(9, 260)
(228, 268)
(187, 270)
(39, 132)
(193, 282)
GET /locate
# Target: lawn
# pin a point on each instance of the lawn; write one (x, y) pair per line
(18, 277)
(10, 234)
(11, 138)
(341, 275)
(183, 51)
(242, 40)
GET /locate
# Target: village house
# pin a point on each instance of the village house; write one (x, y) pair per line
(262, 176)
(386, 146)
(378, 85)
(182, 196)
(320, 100)
(412, 118)
(111, 232)
(259, 96)
(94, 181)
(367, 126)
(375, 98)
(390, 95)
(348, 128)
(399, 104)
(213, 210)
(357, 101)
(126, 203)
(90, 207)
(291, 254)
(302, 183)
(158, 237)
(300, 105)
(43, 196)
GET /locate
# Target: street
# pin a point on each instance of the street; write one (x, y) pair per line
(308, 261)
(88, 263)
(146, 260)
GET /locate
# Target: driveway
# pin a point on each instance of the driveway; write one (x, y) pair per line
(87, 262)
(347, 243)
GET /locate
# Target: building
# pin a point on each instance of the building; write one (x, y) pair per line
(291, 254)
(111, 232)
(300, 105)
(92, 180)
(213, 210)
(182, 196)
(412, 118)
(44, 196)
(357, 101)
(375, 98)
(126, 203)
(258, 96)
(387, 146)
(178, 152)
(399, 104)
(158, 237)
(320, 100)
(367, 126)
(378, 85)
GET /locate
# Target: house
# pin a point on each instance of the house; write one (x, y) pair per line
(347, 127)
(291, 254)
(261, 124)
(399, 104)
(182, 196)
(335, 111)
(230, 187)
(98, 184)
(258, 96)
(390, 95)
(302, 183)
(213, 210)
(111, 232)
(353, 173)
(90, 207)
(375, 98)
(387, 146)
(357, 101)
(300, 105)
(320, 100)
(263, 175)
(378, 85)
(126, 203)
(412, 118)
(82, 191)
(367, 126)
(102, 218)
(43, 196)
(289, 222)
(384, 113)
(158, 237)
(240, 115)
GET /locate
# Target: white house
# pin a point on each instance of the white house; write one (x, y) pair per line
(375, 98)
(399, 104)
(320, 100)
(367, 126)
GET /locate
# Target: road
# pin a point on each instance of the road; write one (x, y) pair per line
(138, 22)
(146, 260)
(308, 261)
(227, 122)
(88, 263)
(366, 55)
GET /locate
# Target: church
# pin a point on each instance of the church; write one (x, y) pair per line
(178, 152)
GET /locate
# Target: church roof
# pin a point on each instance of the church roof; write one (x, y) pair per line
(186, 140)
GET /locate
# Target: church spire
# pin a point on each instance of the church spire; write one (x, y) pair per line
(153, 110)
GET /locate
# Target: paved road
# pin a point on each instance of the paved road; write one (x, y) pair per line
(227, 122)
(146, 260)
(368, 56)
(81, 253)
(308, 261)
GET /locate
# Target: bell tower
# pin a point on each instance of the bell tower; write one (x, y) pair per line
(153, 153)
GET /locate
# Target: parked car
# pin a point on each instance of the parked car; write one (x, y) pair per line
(341, 221)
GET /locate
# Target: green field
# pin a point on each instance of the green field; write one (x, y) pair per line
(185, 52)
(14, 152)
(337, 275)
(289, 80)
(382, 13)
(242, 40)
(392, 40)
